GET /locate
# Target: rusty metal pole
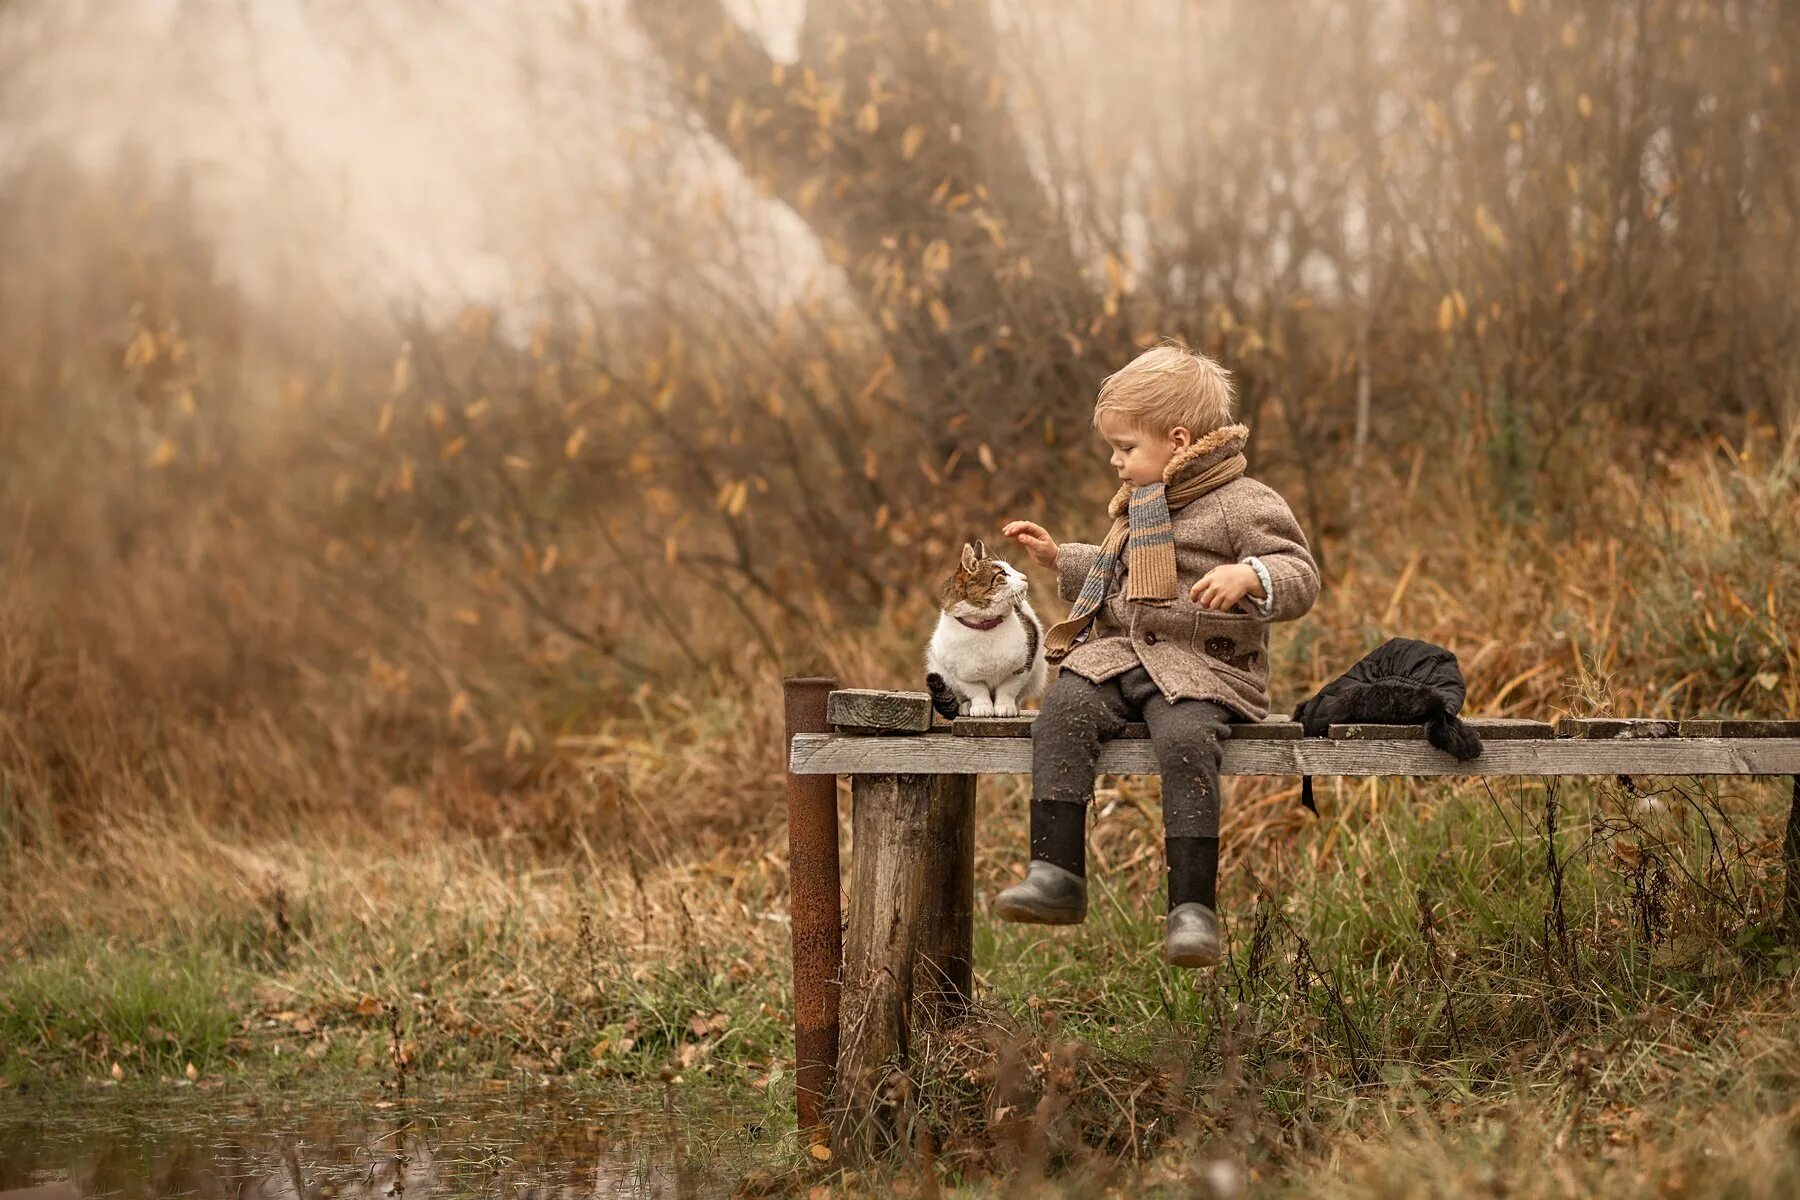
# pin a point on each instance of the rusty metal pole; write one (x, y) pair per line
(813, 902)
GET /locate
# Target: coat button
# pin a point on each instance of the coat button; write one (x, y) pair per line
(1150, 638)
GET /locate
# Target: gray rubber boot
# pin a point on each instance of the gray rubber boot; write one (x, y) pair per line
(1192, 939)
(1048, 895)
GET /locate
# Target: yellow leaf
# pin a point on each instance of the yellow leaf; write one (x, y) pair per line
(940, 314)
(868, 118)
(191, 1072)
(910, 141)
(118, 1072)
(456, 447)
(477, 410)
(819, 1151)
(404, 483)
(386, 422)
(572, 447)
(1446, 317)
(164, 454)
(549, 563)
(987, 458)
(142, 351)
(1585, 105)
(740, 495)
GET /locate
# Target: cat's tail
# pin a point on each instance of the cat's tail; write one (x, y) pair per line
(942, 698)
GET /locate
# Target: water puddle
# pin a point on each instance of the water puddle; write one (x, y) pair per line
(525, 1145)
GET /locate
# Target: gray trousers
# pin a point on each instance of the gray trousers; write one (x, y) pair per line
(1078, 715)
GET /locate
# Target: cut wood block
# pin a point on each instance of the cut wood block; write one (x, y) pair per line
(1491, 729)
(861, 710)
(1740, 727)
(1607, 728)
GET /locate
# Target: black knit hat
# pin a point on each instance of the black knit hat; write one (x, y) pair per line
(1400, 682)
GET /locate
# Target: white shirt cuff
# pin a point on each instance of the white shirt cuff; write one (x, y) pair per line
(1267, 603)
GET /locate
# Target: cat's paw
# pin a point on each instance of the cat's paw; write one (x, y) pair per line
(962, 710)
(981, 708)
(1005, 708)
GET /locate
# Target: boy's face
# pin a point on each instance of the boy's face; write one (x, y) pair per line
(1140, 457)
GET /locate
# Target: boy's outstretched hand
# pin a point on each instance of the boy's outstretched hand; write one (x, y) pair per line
(1035, 539)
(1225, 586)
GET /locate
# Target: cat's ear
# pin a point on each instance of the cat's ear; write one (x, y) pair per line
(968, 557)
(980, 549)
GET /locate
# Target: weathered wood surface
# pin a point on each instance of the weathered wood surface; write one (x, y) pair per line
(1627, 728)
(838, 754)
(909, 936)
(879, 712)
(1730, 727)
(946, 970)
(1491, 729)
(1020, 726)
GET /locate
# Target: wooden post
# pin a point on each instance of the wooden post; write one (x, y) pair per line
(947, 949)
(911, 903)
(813, 906)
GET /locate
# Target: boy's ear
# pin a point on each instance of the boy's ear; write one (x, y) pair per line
(1181, 436)
(968, 557)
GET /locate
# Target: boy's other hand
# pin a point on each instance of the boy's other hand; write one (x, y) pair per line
(1225, 586)
(1037, 542)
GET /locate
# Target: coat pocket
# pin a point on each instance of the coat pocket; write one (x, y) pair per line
(1236, 640)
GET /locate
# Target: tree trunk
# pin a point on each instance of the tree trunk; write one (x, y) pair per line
(892, 138)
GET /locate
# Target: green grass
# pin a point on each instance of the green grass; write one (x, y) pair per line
(1399, 1003)
(92, 1003)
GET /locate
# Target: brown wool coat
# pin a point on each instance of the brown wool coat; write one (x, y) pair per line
(1193, 652)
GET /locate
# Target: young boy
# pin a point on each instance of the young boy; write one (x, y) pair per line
(1169, 625)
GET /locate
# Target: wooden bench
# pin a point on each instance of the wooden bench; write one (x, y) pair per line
(910, 932)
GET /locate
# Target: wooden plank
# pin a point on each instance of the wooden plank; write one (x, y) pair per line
(1597, 728)
(879, 712)
(828, 754)
(1491, 729)
(1739, 727)
(1269, 729)
(988, 727)
(1020, 726)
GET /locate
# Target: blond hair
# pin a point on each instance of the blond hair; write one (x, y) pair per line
(1168, 386)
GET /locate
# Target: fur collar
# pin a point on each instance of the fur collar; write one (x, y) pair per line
(1221, 443)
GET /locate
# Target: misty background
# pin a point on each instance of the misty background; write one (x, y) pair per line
(429, 380)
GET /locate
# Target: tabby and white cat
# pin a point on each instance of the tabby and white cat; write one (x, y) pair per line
(987, 653)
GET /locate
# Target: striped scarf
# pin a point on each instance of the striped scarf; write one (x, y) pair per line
(1144, 531)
